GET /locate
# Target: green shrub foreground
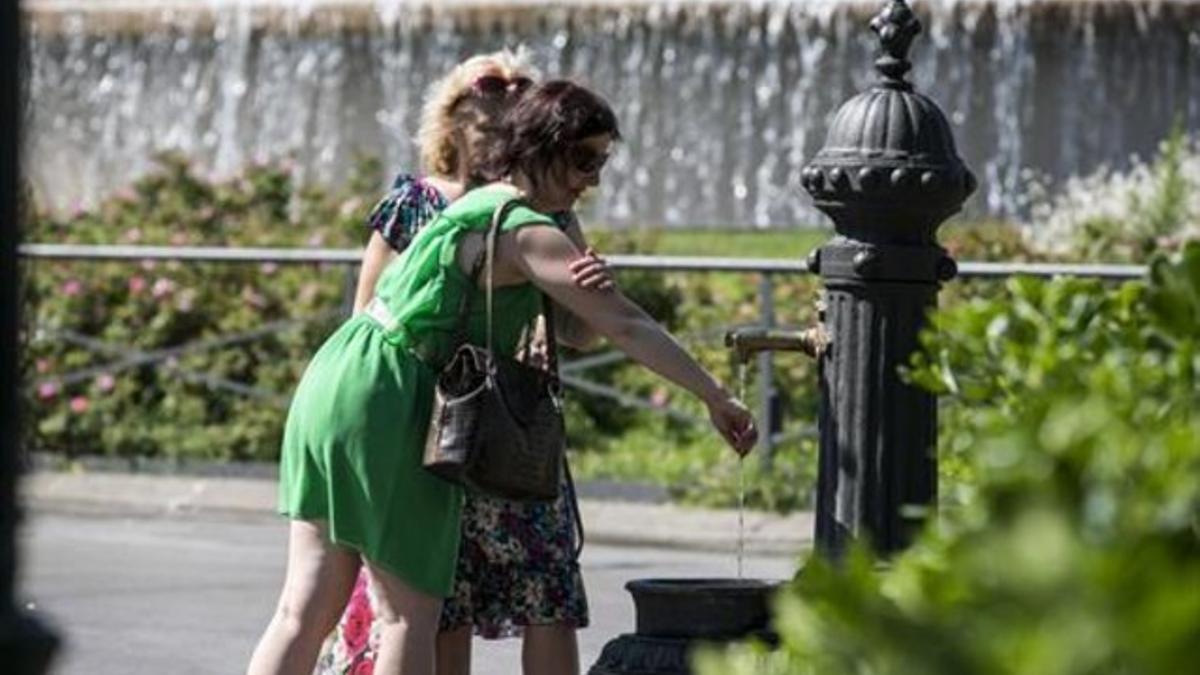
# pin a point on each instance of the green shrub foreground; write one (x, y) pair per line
(1072, 542)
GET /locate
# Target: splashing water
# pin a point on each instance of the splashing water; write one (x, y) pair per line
(113, 83)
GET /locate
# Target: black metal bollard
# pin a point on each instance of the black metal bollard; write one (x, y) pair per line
(888, 176)
(25, 645)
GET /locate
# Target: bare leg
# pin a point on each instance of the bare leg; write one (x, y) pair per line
(550, 650)
(319, 577)
(454, 652)
(408, 622)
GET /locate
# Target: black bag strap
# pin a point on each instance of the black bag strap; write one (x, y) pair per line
(547, 306)
(485, 263)
(464, 306)
(573, 504)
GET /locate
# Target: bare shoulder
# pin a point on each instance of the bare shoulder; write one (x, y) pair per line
(540, 239)
(450, 189)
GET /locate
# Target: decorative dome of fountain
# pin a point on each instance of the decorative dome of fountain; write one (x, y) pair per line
(890, 151)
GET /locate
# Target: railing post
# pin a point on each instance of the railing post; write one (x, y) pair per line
(888, 176)
(766, 373)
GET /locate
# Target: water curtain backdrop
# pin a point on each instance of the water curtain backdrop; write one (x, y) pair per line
(721, 101)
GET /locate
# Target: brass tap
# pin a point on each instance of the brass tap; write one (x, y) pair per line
(746, 342)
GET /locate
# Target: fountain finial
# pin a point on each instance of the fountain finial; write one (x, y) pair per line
(896, 26)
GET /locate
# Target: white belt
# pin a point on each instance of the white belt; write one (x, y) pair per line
(380, 314)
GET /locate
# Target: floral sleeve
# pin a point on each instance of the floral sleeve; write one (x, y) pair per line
(408, 205)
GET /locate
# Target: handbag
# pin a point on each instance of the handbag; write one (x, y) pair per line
(497, 423)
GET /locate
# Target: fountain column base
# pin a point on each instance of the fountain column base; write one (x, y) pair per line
(676, 615)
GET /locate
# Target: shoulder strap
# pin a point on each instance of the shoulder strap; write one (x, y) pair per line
(484, 260)
(464, 307)
(486, 263)
(547, 309)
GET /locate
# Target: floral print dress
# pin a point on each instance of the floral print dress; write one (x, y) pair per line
(518, 563)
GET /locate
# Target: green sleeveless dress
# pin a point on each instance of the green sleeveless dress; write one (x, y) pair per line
(355, 432)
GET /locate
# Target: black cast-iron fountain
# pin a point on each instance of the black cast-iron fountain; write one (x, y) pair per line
(888, 176)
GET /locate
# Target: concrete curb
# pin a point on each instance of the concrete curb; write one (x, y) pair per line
(605, 522)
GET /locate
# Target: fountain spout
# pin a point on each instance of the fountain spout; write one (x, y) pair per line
(746, 342)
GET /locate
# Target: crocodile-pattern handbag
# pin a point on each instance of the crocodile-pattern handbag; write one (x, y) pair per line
(497, 424)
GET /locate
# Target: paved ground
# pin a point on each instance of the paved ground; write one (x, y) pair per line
(189, 593)
(608, 521)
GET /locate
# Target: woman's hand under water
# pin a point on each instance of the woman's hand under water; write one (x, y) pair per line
(734, 422)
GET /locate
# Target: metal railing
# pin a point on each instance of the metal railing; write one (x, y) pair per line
(573, 370)
(339, 256)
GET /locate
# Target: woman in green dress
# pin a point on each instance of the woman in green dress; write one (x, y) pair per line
(350, 477)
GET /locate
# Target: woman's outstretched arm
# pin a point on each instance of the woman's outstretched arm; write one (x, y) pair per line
(375, 258)
(543, 255)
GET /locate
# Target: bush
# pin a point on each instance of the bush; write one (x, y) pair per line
(1130, 215)
(1074, 543)
(107, 350)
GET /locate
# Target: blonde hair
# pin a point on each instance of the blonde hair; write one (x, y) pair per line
(435, 136)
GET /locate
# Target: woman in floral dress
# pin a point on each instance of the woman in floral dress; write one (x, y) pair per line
(517, 571)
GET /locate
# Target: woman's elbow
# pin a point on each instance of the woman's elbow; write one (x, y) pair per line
(623, 331)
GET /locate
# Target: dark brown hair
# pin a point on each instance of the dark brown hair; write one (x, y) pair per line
(544, 124)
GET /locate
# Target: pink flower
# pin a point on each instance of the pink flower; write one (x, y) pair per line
(349, 207)
(179, 238)
(660, 398)
(269, 268)
(356, 622)
(127, 194)
(133, 235)
(106, 382)
(253, 298)
(308, 292)
(356, 630)
(72, 288)
(47, 390)
(149, 265)
(137, 284)
(364, 667)
(162, 288)
(185, 300)
(79, 405)
(42, 365)
(316, 239)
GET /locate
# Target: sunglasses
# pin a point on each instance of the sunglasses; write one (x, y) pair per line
(495, 86)
(586, 160)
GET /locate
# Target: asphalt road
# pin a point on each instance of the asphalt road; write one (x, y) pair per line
(191, 595)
